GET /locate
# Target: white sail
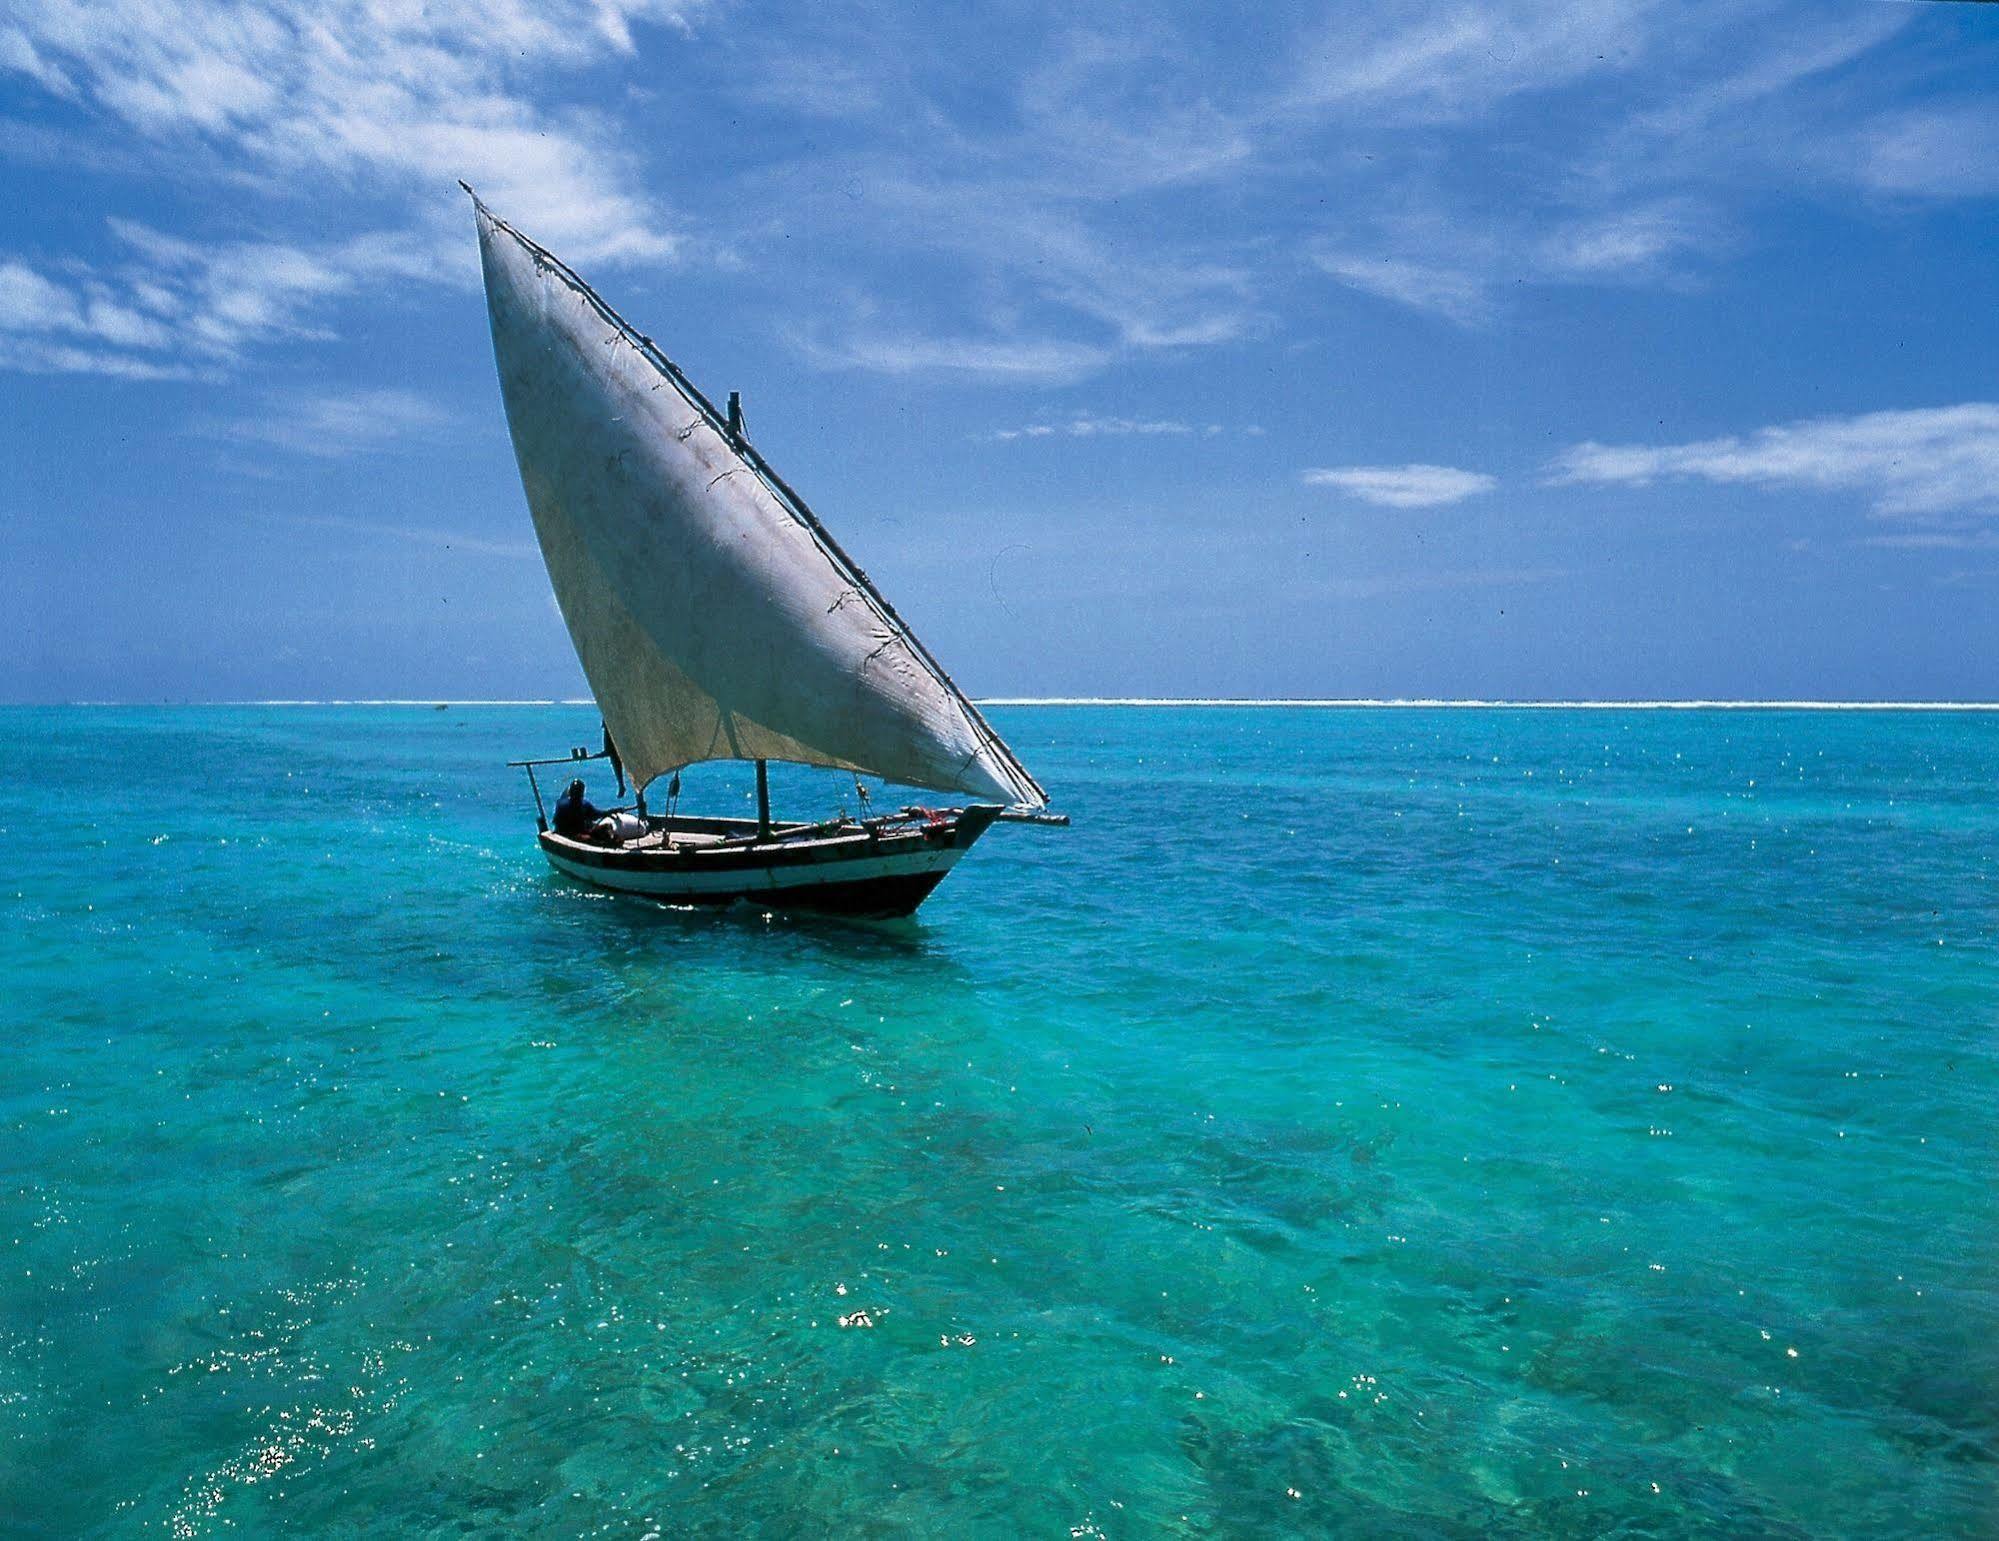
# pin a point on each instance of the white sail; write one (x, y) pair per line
(714, 616)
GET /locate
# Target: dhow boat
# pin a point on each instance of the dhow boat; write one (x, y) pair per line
(716, 618)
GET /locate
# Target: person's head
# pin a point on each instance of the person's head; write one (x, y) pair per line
(576, 789)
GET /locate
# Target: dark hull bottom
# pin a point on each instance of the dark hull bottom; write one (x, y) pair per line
(889, 898)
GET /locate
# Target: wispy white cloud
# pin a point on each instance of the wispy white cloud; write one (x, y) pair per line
(343, 98)
(170, 308)
(1965, 577)
(1714, 90)
(1935, 540)
(1405, 486)
(1457, 293)
(814, 83)
(1093, 109)
(47, 356)
(400, 96)
(1129, 190)
(334, 425)
(415, 534)
(1940, 152)
(224, 295)
(1625, 243)
(19, 55)
(1043, 274)
(1679, 124)
(1430, 259)
(1041, 361)
(1926, 462)
(31, 303)
(1096, 203)
(1412, 61)
(1044, 210)
(66, 326)
(1088, 425)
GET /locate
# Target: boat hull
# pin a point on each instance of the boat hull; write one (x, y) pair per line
(878, 873)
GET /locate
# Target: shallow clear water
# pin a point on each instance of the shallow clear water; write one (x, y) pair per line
(1399, 1122)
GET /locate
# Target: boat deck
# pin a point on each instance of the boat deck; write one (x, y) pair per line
(673, 835)
(882, 866)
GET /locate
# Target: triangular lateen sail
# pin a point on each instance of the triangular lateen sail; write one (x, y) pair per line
(714, 616)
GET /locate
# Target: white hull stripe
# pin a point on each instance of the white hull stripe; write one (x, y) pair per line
(765, 879)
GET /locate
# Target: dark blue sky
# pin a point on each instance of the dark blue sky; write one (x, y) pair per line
(1548, 349)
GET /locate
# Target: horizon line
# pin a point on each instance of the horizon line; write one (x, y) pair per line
(1316, 702)
(1697, 703)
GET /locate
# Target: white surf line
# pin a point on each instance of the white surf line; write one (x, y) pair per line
(1406, 702)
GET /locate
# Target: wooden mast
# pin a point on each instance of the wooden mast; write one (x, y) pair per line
(763, 800)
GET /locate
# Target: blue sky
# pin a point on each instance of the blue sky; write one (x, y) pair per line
(1538, 349)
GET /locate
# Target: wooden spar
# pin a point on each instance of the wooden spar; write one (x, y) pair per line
(763, 800)
(540, 813)
(574, 757)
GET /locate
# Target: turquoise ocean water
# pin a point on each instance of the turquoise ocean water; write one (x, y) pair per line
(1423, 1123)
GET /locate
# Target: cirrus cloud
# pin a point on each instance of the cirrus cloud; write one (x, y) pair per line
(347, 101)
(1089, 425)
(333, 425)
(1921, 463)
(397, 98)
(1405, 486)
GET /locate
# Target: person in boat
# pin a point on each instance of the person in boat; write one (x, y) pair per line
(574, 813)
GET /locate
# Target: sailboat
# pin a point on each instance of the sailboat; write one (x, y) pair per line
(716, 618)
